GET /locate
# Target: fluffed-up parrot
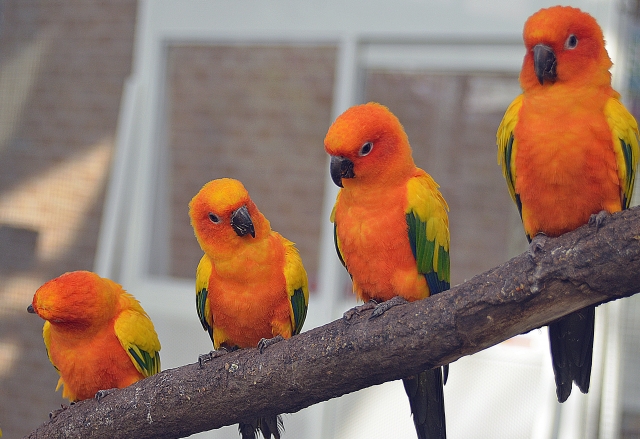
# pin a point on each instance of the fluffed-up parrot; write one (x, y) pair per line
(391, 231)
(569, 151)
(97, 335)
(251, 285)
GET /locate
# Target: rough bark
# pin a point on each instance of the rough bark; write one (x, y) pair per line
(580, 268)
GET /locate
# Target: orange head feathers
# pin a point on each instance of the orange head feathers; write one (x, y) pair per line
(368, 143)
(79, 298)
(564, 44)
(223, 216)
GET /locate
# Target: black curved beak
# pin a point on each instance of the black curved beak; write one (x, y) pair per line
(544, 62)
(341, 168)
(241, 222)
(30, 309)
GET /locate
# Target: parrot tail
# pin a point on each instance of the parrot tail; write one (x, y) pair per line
(268, 426)
(571, 340)
(426, 398)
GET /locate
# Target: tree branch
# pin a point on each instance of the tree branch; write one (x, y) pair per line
(580, 268)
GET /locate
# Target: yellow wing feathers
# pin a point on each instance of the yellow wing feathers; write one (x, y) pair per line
(507, 145)
(425, 200)
(297, 285)
(46, 335)
(203, 273)
(138, 337)
(624, 132)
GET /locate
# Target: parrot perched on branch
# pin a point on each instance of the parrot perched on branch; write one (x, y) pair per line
(97, 335)
(251, 286)
(391, 231)
(569, 152)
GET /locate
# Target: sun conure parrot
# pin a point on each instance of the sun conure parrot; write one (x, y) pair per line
(568, 150)
(391, 231)
(97, 335)
(251, 285)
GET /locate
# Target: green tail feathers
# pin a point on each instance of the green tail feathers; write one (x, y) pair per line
(268, 426)
(426, 398)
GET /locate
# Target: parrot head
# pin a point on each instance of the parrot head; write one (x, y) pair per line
(222, 214)
(79, 298)
(563, 44)
(367, 143)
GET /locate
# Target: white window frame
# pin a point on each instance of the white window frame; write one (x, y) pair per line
(405, 34)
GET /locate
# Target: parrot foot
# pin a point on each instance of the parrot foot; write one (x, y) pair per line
(266, 342)
(537, 243)
(387, 305)
(54, 413)
(102, 393)
(597, 219)
(205, 358)
(357, 310)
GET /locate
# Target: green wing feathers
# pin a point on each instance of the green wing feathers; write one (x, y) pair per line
(138, 338)
(428, 228)
(203, 273)
(297, 286)
(624, 131)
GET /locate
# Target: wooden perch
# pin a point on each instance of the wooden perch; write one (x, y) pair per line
(581, 268)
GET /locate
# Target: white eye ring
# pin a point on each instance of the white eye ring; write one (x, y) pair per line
(365, 149)
(571, 43)
(214, 218)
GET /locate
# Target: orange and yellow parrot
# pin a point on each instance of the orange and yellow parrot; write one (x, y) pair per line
(251, 285)
(568, 150)
(97, 335)
(391, 231)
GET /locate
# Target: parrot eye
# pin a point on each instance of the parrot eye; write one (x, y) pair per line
(214, 218)
(365, 149)
(571, 42)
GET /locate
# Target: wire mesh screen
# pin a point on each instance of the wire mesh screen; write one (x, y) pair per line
(62, 66)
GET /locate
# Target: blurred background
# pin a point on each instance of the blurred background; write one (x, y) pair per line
(114, 113)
